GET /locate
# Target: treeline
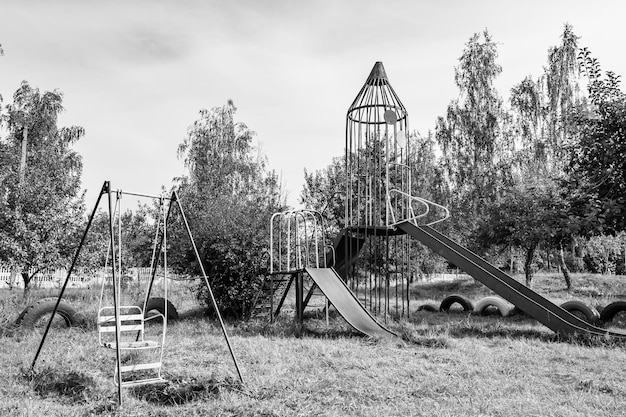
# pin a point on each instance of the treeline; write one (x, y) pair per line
(538, 180)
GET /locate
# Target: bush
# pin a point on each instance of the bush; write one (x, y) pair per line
(229, 198)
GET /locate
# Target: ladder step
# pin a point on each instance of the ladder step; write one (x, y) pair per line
(146, 344)
(139, 382)
(140, 366)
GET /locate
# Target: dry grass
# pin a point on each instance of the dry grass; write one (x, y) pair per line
(446, 364)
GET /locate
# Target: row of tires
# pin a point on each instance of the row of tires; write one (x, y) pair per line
(37, 314)
(496, 305)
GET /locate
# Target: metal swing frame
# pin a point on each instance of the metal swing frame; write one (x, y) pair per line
(128, 321)
(106, 189)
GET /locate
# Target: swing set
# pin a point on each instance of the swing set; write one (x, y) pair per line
(122, 327)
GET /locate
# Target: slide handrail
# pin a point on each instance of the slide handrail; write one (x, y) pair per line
(413, 217)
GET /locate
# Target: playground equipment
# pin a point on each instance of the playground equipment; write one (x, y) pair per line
(122, 327)
(299, 251)
(372, 254)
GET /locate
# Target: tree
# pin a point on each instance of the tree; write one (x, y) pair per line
(473, 134)
(531, 214)
(597, 163)
(603, 254)
(229, 196)
(543, 111)
(42, 203)
(563, 96)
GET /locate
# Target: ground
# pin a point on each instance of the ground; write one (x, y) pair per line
(446, 364)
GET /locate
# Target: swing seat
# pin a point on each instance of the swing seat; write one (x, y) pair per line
(132, 328)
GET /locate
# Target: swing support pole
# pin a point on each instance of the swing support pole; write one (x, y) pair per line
(206, 280)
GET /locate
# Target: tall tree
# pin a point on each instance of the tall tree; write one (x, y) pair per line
(471, 134)
(42, 202)
(544, 112)
(563, 96)
(229, 196)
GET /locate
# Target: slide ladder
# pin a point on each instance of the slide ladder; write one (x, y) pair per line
(270, 298)
(535, 305)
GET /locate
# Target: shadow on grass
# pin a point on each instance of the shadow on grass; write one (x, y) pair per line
(178, 390)
(71, 386)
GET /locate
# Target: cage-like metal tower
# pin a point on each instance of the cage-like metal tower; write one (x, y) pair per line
(378, 189)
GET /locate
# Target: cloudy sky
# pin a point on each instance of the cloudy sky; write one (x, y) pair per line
(134, 73)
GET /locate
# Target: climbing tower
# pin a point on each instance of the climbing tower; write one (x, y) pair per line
(376, 258)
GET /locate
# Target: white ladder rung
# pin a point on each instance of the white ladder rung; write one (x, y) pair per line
(140, 367)
(139, 382)
(142, 344)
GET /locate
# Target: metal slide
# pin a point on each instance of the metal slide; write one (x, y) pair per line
(538, 307)
(346, 303)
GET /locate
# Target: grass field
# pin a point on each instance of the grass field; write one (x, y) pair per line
(452, 364)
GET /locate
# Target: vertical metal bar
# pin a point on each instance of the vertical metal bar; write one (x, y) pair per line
(165, 316)
(116, 304)
(156, 265)
(288, 242)
(206, 280)
(69, 273)
(300, 296)
(272, 298)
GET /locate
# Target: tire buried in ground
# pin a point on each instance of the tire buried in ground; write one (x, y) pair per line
(31, 315)
(158, 304)
(609, 312)
(432, 307)
(482, 306)
(582, 310)
(448, 301)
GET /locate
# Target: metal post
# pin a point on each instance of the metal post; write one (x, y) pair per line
(155, 266)
(206, 280)
(116, 301)
(300, 297)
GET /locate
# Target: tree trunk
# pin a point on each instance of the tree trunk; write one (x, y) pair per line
(27, 279)
(528, 262)
(23, 157)
(13, 277)
(566, 275)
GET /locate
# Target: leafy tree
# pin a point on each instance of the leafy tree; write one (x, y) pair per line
(543, 112)
(563, 95)
(473, 133)
(229, 196)
(531, 214)
(325, 191)
(40, 185)
(597, 165)
(138, 232)
(605, 253)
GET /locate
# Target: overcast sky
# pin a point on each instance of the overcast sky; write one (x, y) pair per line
(135, 73)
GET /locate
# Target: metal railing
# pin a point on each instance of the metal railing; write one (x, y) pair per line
(412, 216)
(297, 241)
